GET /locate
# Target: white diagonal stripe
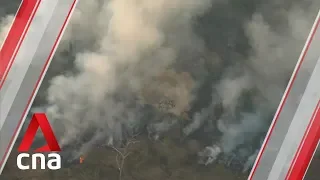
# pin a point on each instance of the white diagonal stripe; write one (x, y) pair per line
(282, 123)
(297, 128)
(25, 56)
(35, 55)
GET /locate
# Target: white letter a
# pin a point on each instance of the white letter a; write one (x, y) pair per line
(56, 159)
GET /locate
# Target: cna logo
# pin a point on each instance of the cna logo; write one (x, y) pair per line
(53, 160)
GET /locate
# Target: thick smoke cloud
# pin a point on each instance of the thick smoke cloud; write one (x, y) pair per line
(275, 48)
(118, 57)
(137, 44)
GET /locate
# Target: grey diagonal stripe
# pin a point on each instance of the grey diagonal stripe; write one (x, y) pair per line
(294, 117)
(24, 57)
(30, 61)
(298, 127)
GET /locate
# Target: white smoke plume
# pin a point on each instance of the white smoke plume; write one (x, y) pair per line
(130, 43)
(275, 50)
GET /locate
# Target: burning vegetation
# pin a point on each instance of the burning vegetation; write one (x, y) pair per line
(196, 83)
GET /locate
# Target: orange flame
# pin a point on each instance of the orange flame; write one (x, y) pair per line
(81, 159)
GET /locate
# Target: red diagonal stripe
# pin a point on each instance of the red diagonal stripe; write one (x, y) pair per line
(284, 99)
(8, 150)
(16, 35)
(306, 149)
